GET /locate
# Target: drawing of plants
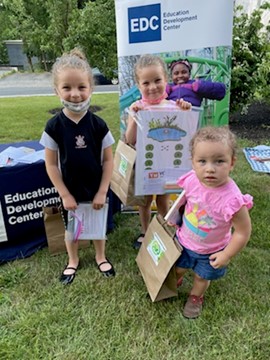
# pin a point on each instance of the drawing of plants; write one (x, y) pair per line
(165, 130)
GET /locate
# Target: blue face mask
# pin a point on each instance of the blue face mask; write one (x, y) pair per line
(77, 107)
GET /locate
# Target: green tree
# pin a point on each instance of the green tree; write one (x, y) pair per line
(263, 90)
(61, 16)
(42, 25)
(250, 48)
(93, 29)
(4, 25)
(50, 27)
(28, 22)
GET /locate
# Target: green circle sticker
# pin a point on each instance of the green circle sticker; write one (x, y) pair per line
(178, 147)
(155, 248)
(149, 147)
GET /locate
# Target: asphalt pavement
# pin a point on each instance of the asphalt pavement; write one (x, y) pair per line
(36, 84)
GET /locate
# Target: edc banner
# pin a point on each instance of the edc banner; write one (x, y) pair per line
(196, 32)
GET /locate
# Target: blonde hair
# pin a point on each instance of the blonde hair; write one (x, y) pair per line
(75, 59)
(149, 60)
(214, 134)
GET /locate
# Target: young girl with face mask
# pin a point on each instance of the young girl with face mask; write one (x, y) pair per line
(78, 153)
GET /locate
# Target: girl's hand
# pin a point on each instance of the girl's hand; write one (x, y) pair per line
(69, 202)
(171, 224)
(219, 259)
(135, 108)
(99, 201)
(184, 105)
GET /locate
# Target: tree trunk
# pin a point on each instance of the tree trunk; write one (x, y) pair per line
(29, 59)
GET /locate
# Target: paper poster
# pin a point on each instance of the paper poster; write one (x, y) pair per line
(87, 223)
(3, 234)
(174, 215)
(163, 136)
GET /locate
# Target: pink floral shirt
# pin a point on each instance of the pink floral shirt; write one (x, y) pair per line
(207, 220)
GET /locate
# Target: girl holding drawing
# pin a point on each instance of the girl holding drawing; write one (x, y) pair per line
(214, 204)
(151, 78)
(78, 153)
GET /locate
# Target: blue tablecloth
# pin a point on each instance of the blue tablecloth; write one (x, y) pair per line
(24, 190)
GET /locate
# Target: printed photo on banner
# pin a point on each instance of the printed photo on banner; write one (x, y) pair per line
(193, 38)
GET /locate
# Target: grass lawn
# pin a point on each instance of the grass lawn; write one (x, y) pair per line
(113, 319)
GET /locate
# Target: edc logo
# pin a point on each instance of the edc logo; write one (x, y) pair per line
(144, 23)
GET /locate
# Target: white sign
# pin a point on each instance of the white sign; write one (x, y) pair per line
(3, 234)
(151, 26)
(86, 223)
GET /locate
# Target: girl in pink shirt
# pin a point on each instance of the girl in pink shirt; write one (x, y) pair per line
(214, 205)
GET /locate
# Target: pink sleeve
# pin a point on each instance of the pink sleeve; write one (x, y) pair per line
(236, 204)
(181, 181)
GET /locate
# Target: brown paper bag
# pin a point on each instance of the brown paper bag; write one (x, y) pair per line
(55, 231)
(156, 258)
(123, 177)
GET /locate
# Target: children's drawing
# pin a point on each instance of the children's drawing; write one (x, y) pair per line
(162, 147)
(166, 130)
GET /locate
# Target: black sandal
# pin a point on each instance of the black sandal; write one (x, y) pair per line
(107, 273)
(67, 279)
(137, 244)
